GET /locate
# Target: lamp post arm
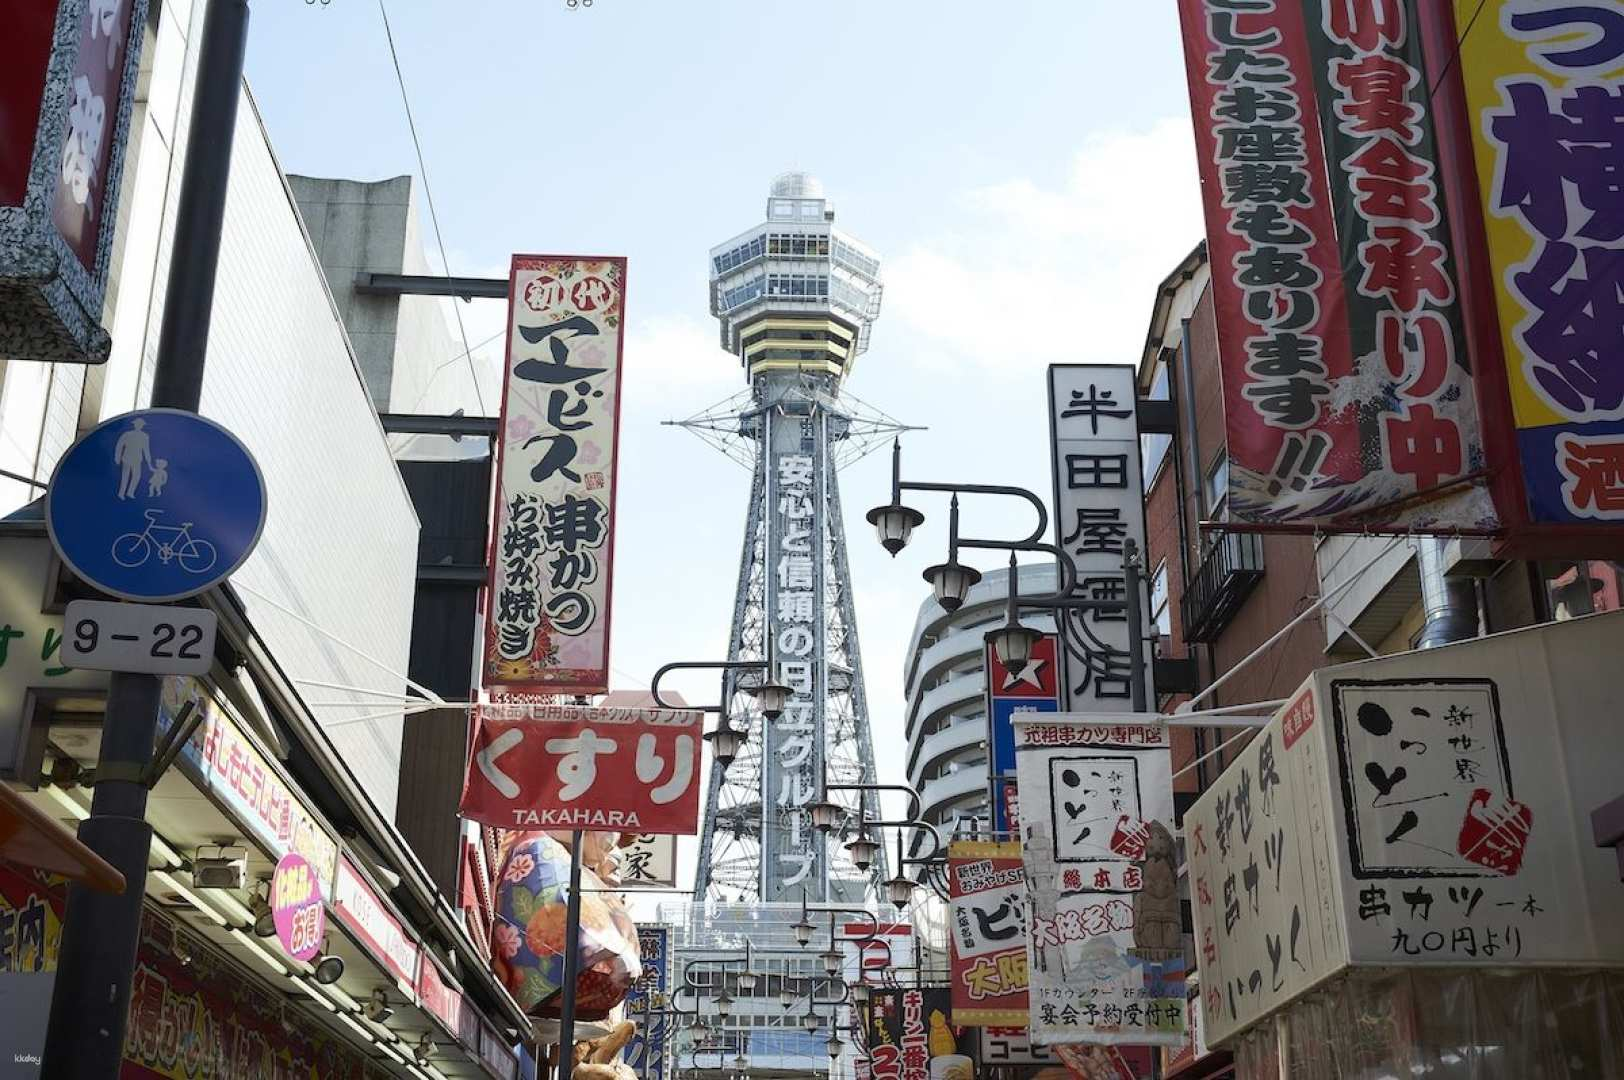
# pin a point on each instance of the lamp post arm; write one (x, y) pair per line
(913, 796)
(700, 665)
(1068, 569)
(985, 489)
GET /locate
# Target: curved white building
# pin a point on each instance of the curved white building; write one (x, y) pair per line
(945, 678)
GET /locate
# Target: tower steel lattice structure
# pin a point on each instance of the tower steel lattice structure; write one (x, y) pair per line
(795, 299)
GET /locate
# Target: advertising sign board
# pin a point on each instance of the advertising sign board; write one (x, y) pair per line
(1105, 952)
(1540, 83)
(226, 763)
(1347, 395)
(68, 70)
(1425, 809)
(553, 544)
(1099, 504)
(646, 1053)
(987, 929)
(1035, 689)
(578, 767)
(910, 1037)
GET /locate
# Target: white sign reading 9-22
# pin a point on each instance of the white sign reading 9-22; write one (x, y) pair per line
(152, 638)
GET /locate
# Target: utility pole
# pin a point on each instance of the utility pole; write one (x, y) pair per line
(101, 932)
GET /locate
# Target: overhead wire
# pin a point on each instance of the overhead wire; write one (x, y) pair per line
(428, 195)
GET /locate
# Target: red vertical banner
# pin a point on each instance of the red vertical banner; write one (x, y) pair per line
(1276, 275)
(1348, 396)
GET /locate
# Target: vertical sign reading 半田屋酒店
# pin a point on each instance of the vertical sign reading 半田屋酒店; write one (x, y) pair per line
(553, 542)
(1099, 505)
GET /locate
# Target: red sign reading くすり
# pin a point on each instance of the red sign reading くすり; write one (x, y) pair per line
(576, 767)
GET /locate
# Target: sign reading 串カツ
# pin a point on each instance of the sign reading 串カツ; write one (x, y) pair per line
(553, 543)
(1543, 100)
(1347, 397)
(987, 926)
(577, 767)
(1099, 504)
(1428, 809)
(1105, 947)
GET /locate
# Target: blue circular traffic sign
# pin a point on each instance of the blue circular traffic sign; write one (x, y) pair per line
(159, 504)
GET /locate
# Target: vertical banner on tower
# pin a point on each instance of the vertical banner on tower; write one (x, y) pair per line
(793, 760)
(553, 543)
(1346, 395)
(1035, 690)
(1099, 502)
(1105, 949)
(1543, 95)
(987, 925)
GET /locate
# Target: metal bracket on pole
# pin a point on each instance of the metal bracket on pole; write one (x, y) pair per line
(174, 741)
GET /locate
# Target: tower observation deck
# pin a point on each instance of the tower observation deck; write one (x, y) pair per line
(795, 299)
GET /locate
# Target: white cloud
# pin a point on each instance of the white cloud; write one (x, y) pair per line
(678, 355)
(1039, 274)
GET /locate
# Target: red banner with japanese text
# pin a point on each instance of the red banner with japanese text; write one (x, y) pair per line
(576, 767)
(987, 924)
(552, 544)
(1346, 397)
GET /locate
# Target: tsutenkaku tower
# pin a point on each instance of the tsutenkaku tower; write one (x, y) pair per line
(796, 299)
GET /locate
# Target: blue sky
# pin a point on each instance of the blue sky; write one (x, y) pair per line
(1024, 167)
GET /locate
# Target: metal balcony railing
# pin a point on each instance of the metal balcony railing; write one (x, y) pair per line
(1232, 567)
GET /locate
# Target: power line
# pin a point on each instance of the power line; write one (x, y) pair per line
(428, 194)
(442, 365)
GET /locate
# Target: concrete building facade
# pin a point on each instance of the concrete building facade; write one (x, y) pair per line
(945, 679)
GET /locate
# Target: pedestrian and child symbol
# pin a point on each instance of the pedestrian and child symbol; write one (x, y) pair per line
(133, 450)
(131, 454)
(155, 505)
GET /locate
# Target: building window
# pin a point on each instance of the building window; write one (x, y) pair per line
(1153, 448)
(1160, 613)
(1216, 492)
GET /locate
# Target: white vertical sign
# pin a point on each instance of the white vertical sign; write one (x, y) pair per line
(1099, 503)
(553, 542)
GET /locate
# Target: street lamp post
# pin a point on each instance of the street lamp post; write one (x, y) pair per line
(725, 742)
(1012, 642)
(90, 1002)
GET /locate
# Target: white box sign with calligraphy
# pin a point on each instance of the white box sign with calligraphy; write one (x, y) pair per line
(1105, 952)
(1429, 809)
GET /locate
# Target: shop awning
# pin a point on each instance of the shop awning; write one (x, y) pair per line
(30, 838)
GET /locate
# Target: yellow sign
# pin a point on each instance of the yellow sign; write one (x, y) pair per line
(1544, 105)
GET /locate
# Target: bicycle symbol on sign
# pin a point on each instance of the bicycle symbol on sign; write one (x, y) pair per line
(171, 542)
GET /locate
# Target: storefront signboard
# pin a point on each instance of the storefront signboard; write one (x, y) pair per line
(1429, 809)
